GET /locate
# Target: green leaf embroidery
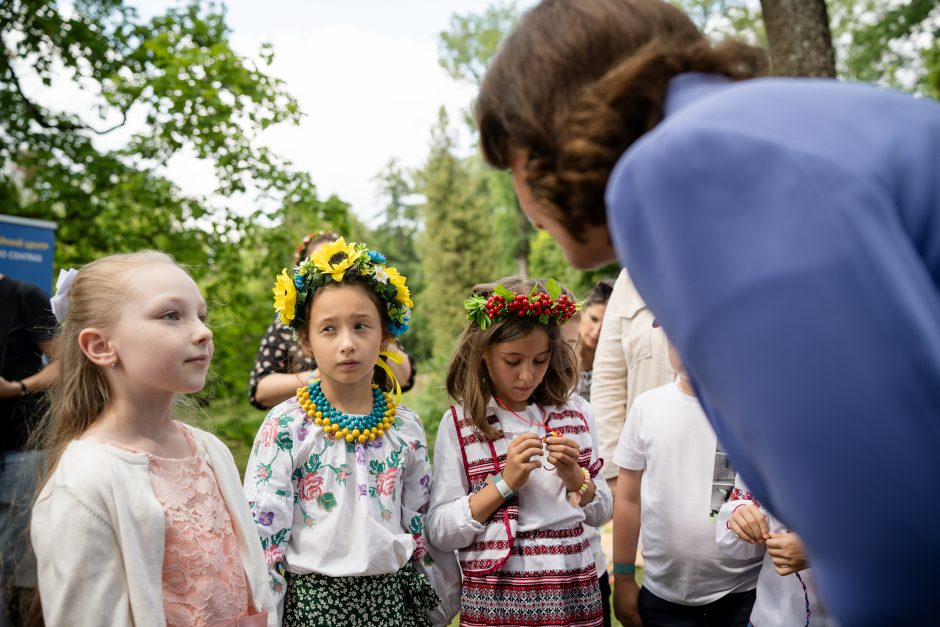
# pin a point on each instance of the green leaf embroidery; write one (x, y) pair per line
(326, 501)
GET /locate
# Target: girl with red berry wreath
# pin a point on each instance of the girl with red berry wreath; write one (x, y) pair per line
(516, 465)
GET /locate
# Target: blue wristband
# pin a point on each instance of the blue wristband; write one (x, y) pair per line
(624, 569)
(502, 487)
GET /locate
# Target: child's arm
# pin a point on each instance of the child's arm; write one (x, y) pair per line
(439, 567)
(741, 528)
(787, 553)
(81, 576)
(270, 494)
(626, 535)
(450, 524)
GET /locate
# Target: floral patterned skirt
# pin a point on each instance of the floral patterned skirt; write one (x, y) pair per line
(401, 599)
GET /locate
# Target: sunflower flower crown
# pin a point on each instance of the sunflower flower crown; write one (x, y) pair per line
(550, 307)
(333, 263)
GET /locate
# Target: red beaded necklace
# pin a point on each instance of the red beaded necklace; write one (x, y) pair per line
(549, 433)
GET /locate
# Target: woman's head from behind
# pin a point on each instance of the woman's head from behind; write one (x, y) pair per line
(571, 88)
(520, 357)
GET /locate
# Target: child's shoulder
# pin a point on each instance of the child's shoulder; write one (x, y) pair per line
(656, 396)
(408, 421)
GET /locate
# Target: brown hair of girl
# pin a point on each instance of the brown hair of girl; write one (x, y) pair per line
(379, 376)
(578, 81)
(468, 381)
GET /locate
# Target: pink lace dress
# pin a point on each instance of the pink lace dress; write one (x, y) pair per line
(203, 577)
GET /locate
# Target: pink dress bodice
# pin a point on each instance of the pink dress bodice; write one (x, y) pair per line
(203, 576)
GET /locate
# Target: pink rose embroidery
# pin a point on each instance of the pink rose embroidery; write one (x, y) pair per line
(385, 481)
(274, 554)
(268, 432)
(310, 487)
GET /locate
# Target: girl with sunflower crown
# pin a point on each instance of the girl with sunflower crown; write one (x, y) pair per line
(339, 478)
(280, 363)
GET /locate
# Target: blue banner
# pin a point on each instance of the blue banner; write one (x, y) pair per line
(26, 250)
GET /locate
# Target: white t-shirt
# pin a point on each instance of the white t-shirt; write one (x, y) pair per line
(668, 437)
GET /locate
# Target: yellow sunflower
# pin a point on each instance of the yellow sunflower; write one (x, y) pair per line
(285, 297)
(335, 258)
(403, 295)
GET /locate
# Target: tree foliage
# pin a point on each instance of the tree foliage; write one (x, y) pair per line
(167, 85)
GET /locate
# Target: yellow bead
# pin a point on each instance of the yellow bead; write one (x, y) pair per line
(318, 421)
(345, 431)
(379, 432)
(362, 438)
(334, 427)
(355, 433)
(371, 436)
(326, 421)
(350, 438)
(319, 413)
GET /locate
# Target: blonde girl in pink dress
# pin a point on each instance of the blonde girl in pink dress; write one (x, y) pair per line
(141, 520)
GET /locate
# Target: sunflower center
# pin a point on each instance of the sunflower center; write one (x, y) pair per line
(338, 258)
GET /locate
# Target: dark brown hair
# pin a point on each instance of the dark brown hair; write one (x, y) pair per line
(468, 381)
(303, 331)
(578, 81)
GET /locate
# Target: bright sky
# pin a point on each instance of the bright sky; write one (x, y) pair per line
(366, 74)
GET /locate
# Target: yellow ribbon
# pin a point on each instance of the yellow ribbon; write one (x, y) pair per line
(381, 363)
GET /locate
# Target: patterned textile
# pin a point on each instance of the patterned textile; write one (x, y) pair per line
(203, 576)
(536, 578)
(401, 599)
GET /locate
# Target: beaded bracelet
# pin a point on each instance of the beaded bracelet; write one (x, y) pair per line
(574, 497)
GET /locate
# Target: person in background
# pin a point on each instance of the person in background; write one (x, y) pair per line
(631, 358)
(589, 320)
(786, 593)
(281, 366)
(27, 331)
(670, 467)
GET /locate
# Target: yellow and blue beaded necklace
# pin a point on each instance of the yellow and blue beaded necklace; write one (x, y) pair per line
(338, 425)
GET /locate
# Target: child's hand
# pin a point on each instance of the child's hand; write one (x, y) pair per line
(563, 454)
(749, 524)
(519, 462)
(786, 552)
(626, 602)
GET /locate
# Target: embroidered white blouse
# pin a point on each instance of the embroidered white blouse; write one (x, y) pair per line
(341, 509)
(543, 499)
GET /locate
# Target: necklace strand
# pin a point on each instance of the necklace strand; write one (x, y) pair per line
(337, 424)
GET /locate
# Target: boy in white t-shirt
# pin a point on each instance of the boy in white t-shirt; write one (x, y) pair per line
(671, 463)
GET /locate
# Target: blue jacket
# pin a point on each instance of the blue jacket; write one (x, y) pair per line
(786, 232)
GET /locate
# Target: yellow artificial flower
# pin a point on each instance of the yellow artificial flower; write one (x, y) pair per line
(285, 297)
(335, 258)
(403, 295)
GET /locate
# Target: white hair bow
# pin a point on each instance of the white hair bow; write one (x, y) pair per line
(60, 302)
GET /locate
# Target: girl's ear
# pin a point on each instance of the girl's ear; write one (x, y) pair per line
(97, 346)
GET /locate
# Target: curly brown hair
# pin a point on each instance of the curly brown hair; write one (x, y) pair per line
(578, 81)
(468, 380)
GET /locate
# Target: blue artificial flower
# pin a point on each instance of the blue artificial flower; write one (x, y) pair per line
(397, 328)
(298, 280)
(376, 256)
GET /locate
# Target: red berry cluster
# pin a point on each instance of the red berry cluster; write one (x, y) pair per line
(495, 306)
(536, 305)
(565, 308)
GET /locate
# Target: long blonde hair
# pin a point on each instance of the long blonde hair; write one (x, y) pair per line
(80, 392)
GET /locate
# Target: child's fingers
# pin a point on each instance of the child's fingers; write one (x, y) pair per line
(750, 522)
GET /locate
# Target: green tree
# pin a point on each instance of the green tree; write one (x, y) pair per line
(171, 83)
(457, 239)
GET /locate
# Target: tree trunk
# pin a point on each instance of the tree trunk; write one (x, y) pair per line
(799, 38)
